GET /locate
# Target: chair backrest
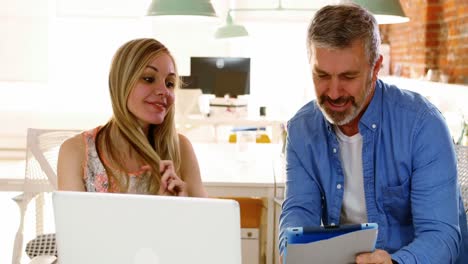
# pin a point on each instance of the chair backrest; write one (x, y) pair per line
(41, 158)
(40, 176)
(462, 168)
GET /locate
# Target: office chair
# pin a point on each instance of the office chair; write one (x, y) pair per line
(462, 168)
(40, 177)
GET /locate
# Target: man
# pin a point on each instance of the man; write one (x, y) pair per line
(366, 151)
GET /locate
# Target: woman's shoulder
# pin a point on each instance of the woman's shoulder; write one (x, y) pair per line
(183, 139)
(186, 149)
(80, 140)
(73, 145)
(184, 144)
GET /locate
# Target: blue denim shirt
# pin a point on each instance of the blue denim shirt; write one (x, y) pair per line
(410, 177)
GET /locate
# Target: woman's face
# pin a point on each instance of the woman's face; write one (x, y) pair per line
(153, 93)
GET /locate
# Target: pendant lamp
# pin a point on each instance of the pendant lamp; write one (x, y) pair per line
(181, 8)
(385, 11)
(231, 30)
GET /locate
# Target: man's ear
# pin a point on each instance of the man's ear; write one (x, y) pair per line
(377, 66)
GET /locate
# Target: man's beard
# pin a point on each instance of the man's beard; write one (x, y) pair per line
(343, 118)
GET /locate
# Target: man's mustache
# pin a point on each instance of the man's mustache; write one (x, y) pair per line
(337, 101)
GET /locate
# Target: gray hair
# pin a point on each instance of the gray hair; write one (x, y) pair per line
(337, 26)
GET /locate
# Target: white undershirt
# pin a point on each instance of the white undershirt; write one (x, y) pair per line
(353, 209)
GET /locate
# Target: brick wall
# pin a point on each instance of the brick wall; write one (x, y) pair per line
(435, 38)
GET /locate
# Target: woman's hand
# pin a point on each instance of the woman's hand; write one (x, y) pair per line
(171, 184)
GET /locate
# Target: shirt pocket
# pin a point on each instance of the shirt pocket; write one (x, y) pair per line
(396, 202)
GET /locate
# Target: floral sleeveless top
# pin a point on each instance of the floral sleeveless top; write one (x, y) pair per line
(95, 177)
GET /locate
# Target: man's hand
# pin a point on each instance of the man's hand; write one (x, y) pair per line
(377, 257)
(171, 184)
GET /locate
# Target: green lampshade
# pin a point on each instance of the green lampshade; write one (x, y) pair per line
(181, 8)
(231, 30)
(385, 11)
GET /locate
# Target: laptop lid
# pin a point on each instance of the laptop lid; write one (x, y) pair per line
(137, 229)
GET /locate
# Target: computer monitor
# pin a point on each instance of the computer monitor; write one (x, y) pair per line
(222, 75)
(189, 82)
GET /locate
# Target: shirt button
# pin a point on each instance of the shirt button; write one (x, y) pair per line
(374, 126)
(338, 186)
(334, 150)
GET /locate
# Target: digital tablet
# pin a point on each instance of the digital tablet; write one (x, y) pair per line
(329, 244)
(301, 235)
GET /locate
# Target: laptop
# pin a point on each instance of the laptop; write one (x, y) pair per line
(145, 229)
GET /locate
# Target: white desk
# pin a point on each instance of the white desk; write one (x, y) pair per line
(232, 189)
(236, 188)
(223, 174)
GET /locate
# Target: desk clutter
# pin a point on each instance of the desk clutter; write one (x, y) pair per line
(249, 135)
(228, 107)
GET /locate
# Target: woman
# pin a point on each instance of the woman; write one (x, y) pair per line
(138, 150)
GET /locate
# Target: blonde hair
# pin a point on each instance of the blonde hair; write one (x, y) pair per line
(162, 142)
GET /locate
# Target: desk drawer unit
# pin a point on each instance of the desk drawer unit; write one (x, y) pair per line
(250, 245)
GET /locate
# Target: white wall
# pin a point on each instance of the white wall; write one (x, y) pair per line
(24, 40)
(69, 46)
(56, 59)
(56, 55)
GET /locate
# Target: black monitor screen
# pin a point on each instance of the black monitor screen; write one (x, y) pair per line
(221, 75)
(189, 82)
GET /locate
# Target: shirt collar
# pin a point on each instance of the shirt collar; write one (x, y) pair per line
(371, 117)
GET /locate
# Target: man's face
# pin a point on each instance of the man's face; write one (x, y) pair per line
(343, 81)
